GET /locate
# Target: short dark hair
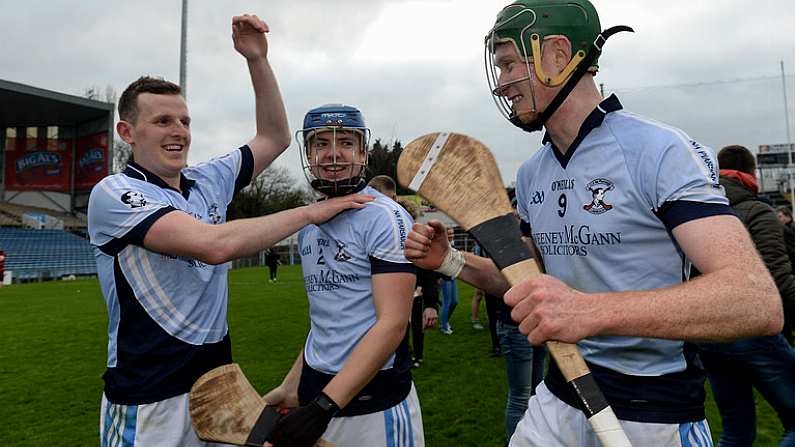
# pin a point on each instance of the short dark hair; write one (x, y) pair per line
(128, 103)
(738, 158)
(784, 209)
(383, 184)
(412, 208)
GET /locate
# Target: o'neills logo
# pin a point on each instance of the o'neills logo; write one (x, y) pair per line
(50, 162)
(93, 160)
(401, 228)
(599, 188)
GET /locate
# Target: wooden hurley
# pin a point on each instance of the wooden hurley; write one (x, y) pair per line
(459, 175)
(225, 408)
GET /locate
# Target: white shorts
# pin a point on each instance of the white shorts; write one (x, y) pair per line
(399, 426)
(165, 423)
(550, 422)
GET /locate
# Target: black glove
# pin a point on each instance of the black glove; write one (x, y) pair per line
(303, 426)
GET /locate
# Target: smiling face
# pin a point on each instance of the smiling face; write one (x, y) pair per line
(518, 82)
(336, 155)
(159, 134)
(515, 80)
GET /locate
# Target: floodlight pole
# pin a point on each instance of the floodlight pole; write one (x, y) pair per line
(789, 139)
(183, 49)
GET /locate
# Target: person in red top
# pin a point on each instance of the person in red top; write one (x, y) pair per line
(2, 266)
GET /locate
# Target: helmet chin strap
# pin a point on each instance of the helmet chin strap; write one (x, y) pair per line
(338, 188)
(593, 53)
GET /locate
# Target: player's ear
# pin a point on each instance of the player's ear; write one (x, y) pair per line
(559, 49)
(125, 131)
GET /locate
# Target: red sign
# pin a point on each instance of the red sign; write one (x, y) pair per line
(46, 165)
(39, 167)
(91, 158)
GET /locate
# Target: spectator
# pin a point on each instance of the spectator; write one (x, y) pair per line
(785, 217)
(425, 307)
(449, 296)
(477, 297)
(272, 260)
(385, 185)
(2, 267)
(766, 363)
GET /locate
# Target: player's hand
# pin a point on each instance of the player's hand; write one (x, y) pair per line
(303, 426)
(248, 34)
(427, 244)
(320, 212)
(429, 317)
(547, 309)
(282, 398)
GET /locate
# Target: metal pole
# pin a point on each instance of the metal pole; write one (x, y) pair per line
(789, 140)
(183, 49)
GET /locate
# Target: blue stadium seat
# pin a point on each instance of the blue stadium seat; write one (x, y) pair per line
(38, 254)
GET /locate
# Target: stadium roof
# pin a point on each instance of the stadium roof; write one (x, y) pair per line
(26, 106)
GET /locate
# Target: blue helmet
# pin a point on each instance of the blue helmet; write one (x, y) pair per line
(335, 118)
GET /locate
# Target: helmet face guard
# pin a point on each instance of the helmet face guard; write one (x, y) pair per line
(317, 143)
(525, 24)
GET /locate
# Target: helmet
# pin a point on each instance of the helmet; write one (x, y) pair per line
(525, 24)
(334, 118)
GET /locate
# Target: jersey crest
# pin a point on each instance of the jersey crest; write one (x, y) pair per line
(133, 199)
(215, 216)
(599, 188)
(341, 255)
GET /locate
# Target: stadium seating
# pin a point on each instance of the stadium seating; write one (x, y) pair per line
(11, 215)
(46, 254)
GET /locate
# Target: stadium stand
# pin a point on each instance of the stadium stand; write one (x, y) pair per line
(46, 254)
(11, 215)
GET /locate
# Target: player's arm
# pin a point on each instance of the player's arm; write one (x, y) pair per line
(177, 233)
(273, 132)
(286, 394)
(735, 297)
(427, 247)
(392, 296)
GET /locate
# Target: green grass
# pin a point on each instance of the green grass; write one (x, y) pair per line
(54, 346)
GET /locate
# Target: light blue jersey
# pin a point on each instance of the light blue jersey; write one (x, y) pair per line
(167, 314)
(338, 259)
(601, 218)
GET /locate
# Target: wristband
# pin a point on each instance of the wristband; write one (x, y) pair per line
(452, 263)
(327, 404)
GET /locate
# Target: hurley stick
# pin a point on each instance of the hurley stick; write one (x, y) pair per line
(459, 175)
(225, 408)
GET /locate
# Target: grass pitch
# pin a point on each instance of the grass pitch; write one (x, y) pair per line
(54, 345)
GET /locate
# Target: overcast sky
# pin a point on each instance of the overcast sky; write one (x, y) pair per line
(710, 67)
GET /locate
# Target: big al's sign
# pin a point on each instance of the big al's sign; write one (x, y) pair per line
(49, 163)
(49, 168)
(92, 160)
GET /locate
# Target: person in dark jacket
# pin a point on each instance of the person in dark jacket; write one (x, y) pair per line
(764, 363)
(272, 260)
(424, 312)
(785, 217)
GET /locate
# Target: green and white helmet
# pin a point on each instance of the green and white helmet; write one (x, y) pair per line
(525, 24)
